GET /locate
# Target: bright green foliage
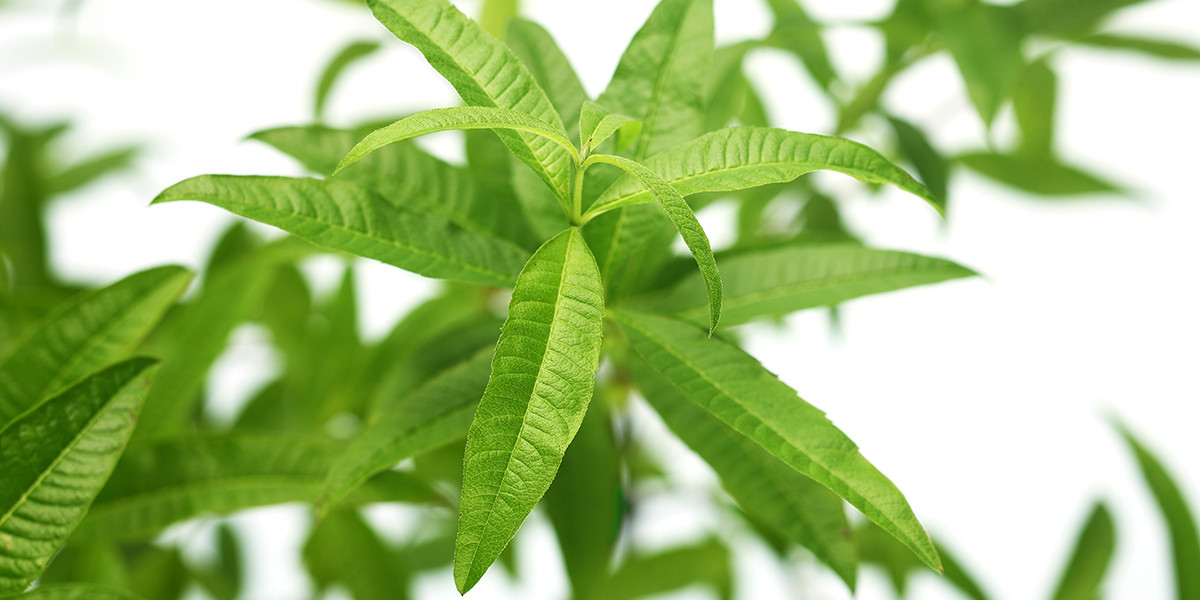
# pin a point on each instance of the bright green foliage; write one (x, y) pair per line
(1033, 105)
(736, 389)
(485, 73)
(78, 591)
(985, 41)
(774, 281)
(550, 68)
(91, 331)
(762, 484)
(1084, 573)
(542, 377)
(56, 457)
(342, 215)
(344, 549)
(1147, 46)
(596, 125)
(1181, 523)
(744, 157)
(1037, 174)
(642, 575)
(353, 52)
(926, 159)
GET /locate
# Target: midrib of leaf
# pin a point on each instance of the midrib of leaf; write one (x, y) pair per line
(737, 301)
(555, 322)
(761, 422)
(394, 243)
(656, 94)
(103, 409)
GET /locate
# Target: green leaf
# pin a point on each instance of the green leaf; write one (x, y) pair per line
(596, 124)
(685, 221)
(660, 78)
(1033, 104)
(1085, 571)
(485, 73)
(91, 169)
(726, 88)
(496, 15)
(797, 33)
(461, 117)
(1067, 16)
(772, 282)
(56, 458)
(642, 575)
(343, 548)
(93, 330)
(1039, 175)
(926, 159)
(77, 591)
(985, 41)
(550, 67)
(738, 158)
(586, 503)
(764, 486)
(1181, 523)
(1151, 47)
(188, 475)
(735, 388)
(542, 377)
(348, 55)
(438, 412)
(344, 216)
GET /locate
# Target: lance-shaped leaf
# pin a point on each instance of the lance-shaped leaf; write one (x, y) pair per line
(351, 53)
(56, 458)
(1041, 175)
(792, 504)
(744, 157)
(1181, 523)
(685, 221)
(344, 216)
(923, 156)
(93, 330)
(796, 32)
(660, 78)
(596, 124)
(1148, 46)
(735, 388)
(1067, 16)
(542, 377)
(181, 477)
(550, 67)
(985, 41)
(707, 562)
(78, 591)
(772, 282)
(485, 73)
(437, 413)
(1085, 570)
(460, 117)
(344, 549)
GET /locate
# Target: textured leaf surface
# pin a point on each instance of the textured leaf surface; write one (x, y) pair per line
(794, 505)
(685, 222)
(91, 331)
(542, 377)
(461, 117)
(56, 458)
(735, 388)
(776, 281)
(485, 73)
(435, 414)
(744, 157)
(1040, 175)
(1085, 570)
(1181, 523)
(550, 67)
(596, 124)
(343, 216)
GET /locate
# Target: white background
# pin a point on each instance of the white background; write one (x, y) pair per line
(984, 400)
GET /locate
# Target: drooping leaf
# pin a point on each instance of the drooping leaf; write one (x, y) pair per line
(1040, 175)
(744, 157)
(1156, 48)
(181, 477)
(685, 222)
(585, 503)
(550, 67)
(1181, 523)
(348, 55)
(93, 330)
(707, 562)
(735, 388)
(790, 503)
(461, 117)
(1033, 104)
(542, 377)
(438, 412)
(1085, 570)
(78, 591)
(56, 457)
(597, 124)
(772, 282)
(660, 78)
(985, 41)
(485, 73)
(343, 216)
(344, 549)
(925, 158)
